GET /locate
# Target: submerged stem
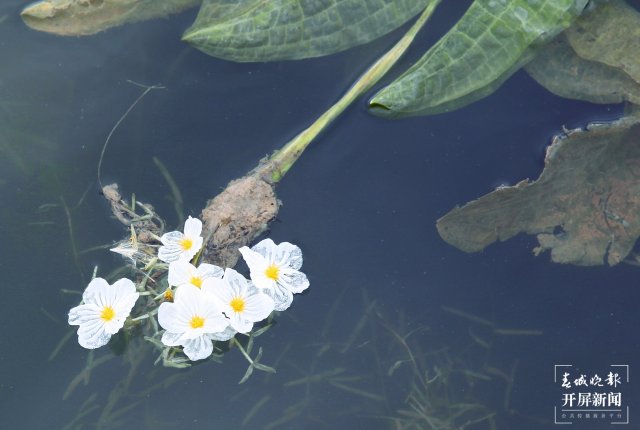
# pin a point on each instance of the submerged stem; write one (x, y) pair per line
(235, 342)
(279, 163)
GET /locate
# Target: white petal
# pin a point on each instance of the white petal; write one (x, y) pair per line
(112, 327)
(224, 335)
(172, 339)
(261, 280)
(123, 305)
(123, 287)
(240, 324)
(289, 255)
(92, 334)
(95, 287)
(254, 260)
(83, 313)
(238, 283)
(221, 291)
(198, 348)
(214, 320)
(294, 281)
(267, 248)
(171, 319)
(281, 297)
(169, 253)
(172, 238)
(188, 296)
(258, 306)
(192, 228)
(180, 272)
(257, 267)
(215, 323)
(214, 286)
(125, 297)
(206, 270)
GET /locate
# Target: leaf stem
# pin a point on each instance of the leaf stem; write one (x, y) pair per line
(235, 342)
(275, 167)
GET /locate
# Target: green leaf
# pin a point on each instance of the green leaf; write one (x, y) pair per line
(259, 30)
(489, 43)
(84, 17)
(560, 70)
(610, 34)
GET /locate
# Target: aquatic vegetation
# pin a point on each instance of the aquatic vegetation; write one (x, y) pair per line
(489, 43)
(562, 71)
(253, 30)
(103, 311)
(486, 46)
(207, 306)
(583, 207)
(84, 17)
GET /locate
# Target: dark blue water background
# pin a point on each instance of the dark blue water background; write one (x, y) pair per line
(362, 204)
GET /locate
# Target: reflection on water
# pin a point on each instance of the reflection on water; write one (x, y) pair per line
(398, 331)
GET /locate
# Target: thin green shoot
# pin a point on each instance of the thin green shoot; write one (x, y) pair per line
(279, 163)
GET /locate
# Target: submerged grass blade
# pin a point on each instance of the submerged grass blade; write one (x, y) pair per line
(357, 391)
(255, 409)
(176, 196)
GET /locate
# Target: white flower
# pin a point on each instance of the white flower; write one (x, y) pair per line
(275, 268)
(103, 312)
(192, 320)
(241, 302)
(181, 246)
(182, 272)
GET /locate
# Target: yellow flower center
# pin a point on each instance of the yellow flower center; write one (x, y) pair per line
(186, 244)
(197, 281)
(272, 272)
(237, 304)
(168, 295)
(196, 321)
(107, 314)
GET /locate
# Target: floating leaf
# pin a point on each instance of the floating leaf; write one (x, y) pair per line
(84, 17)
(611, 35)
(560, 70)
(585, 207)
(488, 44)
(259, 30)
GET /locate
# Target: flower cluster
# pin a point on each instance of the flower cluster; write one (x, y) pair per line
(203, 303)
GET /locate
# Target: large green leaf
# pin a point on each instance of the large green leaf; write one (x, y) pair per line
(490, 42)
(267, 30)
(610, 35)
(83, 17)
(560, 70)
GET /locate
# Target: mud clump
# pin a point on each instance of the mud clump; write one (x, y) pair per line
(235, 217)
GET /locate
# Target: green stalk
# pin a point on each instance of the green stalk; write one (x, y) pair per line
(275, 167)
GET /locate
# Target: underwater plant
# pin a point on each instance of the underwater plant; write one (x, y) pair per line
(490, 42)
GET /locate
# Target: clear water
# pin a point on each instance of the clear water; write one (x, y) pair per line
(362, 204)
